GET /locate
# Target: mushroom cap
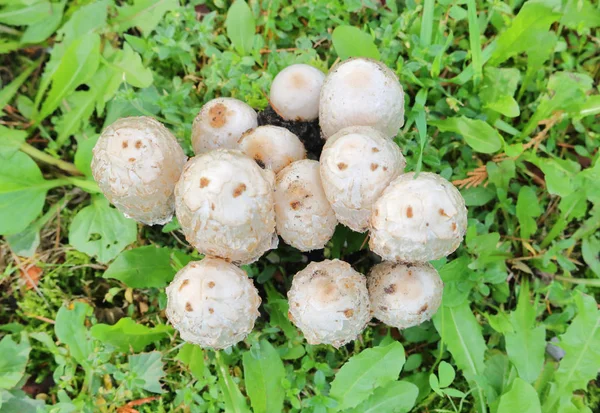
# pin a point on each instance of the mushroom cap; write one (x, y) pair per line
(295, 92)
(418, 220)
(329, 302)
(404, 295)
(136, 163)
(220, 123)
(212, 303)
(361, 92)
(357, 164)
(272, 147)
(224, 203)
(304, 217)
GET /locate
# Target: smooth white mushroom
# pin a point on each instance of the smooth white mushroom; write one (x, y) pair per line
(295, 92)
(329, 302)
(404, 295)
(212, 303)
(272, 147)
(136, 164)
(304, 217)
(418, 220)
(220, 124)
(361, 92)
(224, 203)
(357, 164)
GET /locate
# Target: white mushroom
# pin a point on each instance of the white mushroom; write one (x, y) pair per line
(357, 164)
(220, 123)
(404, 295)
(361, 92)
(224, 203)
(305, 219)
(136, 164)
(272, 147)
(418, 220)
(295, 92)
(212, 303)
(329, 302)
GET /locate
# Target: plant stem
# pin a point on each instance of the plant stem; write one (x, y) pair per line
(9, 30)
(44, 157)
(585, 281)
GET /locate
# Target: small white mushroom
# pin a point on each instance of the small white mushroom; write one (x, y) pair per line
(404, 295)
(357, 164)
(295, 92)
(329, 302)
(220, 123)
(418, 220)
(304, 218)
(272, 147)
(212, 303)
(136, 164)
(224, 203)
(361, 92)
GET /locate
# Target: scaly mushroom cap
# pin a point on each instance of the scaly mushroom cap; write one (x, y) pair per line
(224, 203)
(357, 164)
(220, 123)
(272, 147)
(212, 303)
(136, 164)
(418, 220)
(361, 92)
(295, 92)
(404, 295)
(304, 217)
(329, 302)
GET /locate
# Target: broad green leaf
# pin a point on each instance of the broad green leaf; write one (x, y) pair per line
(240, 26)
(144, 14)
(9, 91)
(446, 374)
(25, 15)
(10, 141)
(263, 374)
(70, 329)
(589, 249)
(462, 335)
(527, 209)
(78, 109)
(84, 154)
(498, 88)
(87, 19)
(130, 64)
(192, 356)
(128, 335)
(13, 361)
(143, 267)
(147, 368)
(234, 401)
(521, 398)
(394, 397)
(43, 29)
(278, 307)
(350, 41)
(364, 372)
(580, 14)
(559, 174)
(17, 401)
(101, 231)
(478, 195)
(478, 134)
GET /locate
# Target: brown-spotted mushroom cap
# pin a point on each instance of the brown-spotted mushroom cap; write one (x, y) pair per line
(357, 164)
(272, 147)
(418, 220)
(136, 164)
(212, 303)
(220, 123)
(404, 295)
(361, 92)
(224, 203)
(304, 217)
(295, 92)
(329, 302)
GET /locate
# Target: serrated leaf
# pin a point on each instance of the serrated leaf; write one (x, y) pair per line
(498, 88)
(43, 29)
(25, 15)
(13, 361)
(580, 14)
(394, 397)
(144, 14)
(364, 372)
(263, 374)
(241, 26)
(147, 368)
(350, 41)
(521, 398)
(70, 329)
(192, 356)
(130, 64)
(478, 134)
(143, 267)
(232, 396)
(128, 335)
(527, 209)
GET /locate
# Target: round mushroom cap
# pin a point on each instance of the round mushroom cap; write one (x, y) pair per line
(329, 302)
(212, 303)
(295, 92)
(361, 92)
(404, 295)
(220, 124)
(136, 163)
(304, 217)
(272, 147)
(357, 164)
(418, 220)
(224, 203)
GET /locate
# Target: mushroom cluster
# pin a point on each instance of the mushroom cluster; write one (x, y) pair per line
(248, 185)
